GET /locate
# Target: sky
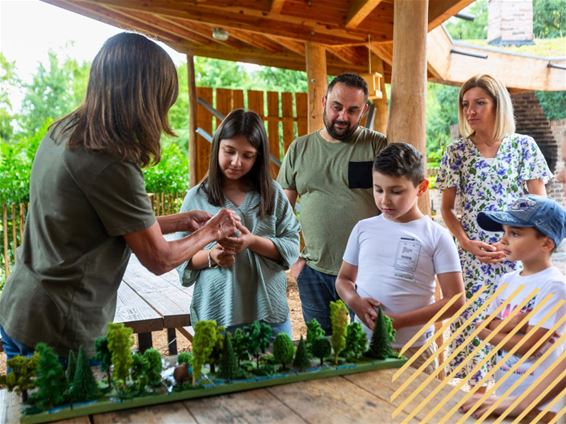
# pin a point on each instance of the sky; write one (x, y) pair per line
(29, 29)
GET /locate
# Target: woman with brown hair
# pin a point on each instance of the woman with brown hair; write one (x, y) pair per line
(89, 209)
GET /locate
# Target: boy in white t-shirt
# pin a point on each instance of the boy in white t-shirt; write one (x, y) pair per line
(533, 227)
(391, 260)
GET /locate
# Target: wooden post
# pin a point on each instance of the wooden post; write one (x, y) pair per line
(316, 76)
(408, 78)
(380, 121)
(192, 121)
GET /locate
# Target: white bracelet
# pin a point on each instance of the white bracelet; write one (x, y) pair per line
(211, 263)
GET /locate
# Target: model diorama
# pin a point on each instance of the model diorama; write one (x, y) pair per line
(220, 362)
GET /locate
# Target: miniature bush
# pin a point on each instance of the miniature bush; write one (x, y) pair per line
(138, 372)
(50, 381)
(22, 375)
(203, 343)
(283, 350)
(120, 343)
(228, 363)
(185, 358)
(339, 319)
(240, 343)
(154, 367)
(216, 354)
(356, 341)
(259, 335)
(301, 360)
(84, 385)
(314, 331)
(382, 338)
(321, 348)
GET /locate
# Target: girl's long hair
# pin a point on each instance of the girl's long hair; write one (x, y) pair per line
(249, 125)
(132, 85)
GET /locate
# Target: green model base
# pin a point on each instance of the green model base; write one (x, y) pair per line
(109, 405)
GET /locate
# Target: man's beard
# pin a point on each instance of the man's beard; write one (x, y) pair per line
(344, 134)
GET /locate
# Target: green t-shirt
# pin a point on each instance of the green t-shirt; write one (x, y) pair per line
(63, 288)
(334, 182)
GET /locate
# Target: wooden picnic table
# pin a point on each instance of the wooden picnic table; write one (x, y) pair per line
(149, 302)
(355, 398)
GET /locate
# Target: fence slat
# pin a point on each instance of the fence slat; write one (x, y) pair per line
(288, 119)
(273, 128)
(22, 220)
(14, 231)
(237, 99)
(255, 102)
(301, 103)
(6, 244)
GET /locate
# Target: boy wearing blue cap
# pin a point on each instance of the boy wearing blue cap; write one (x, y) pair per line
(533, 228)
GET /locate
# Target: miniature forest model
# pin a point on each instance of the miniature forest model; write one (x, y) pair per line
(220, 362)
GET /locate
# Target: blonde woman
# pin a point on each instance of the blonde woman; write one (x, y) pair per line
(486, 168)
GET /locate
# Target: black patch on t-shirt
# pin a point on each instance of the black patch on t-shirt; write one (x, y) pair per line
(359, 174)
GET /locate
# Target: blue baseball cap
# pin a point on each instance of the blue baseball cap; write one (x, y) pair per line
(538, 212)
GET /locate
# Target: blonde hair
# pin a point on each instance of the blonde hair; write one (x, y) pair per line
(504, 119)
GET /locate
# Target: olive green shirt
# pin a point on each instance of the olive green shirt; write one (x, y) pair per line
(334, 182)
(63, 288)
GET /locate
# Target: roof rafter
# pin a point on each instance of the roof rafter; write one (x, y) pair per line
(359, 10)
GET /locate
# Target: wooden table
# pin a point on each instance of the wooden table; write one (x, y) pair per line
(352, 399)
(148, 302)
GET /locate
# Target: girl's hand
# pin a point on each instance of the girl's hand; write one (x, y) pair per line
(224, 258)
(240, 242)
(485, 252)
(365, 310)
(223, 223)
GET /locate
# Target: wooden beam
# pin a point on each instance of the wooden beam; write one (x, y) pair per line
(408, 80)
(316, 79)
(359, 10)
(292, 45)
(193, 166)
(380, 122)
(256, 40)
(442, 10)
(349, 55)
(277, 6)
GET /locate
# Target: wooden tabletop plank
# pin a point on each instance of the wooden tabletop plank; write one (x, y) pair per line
(170, 413)
(133, 311)
(336, 400)
(253, 406)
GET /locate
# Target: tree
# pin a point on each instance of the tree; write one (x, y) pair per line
(104, 356)
(203, 343)
(71, 366)
(301, 360)
(549, 18)
(460, 29)
(120, 343)
(259, 334)
(138, 371)
(217, 350)
(321, 348)
(185, 358)
(339, 320)
(382, 338)
(154, 367)
(283, 350)
(277, 79)
(9, 83)
(356, 340)
(241, 344)
(442, 113)
(84, 385)
(21, 378)
(51, 382)
(314, 331)
(228, 363)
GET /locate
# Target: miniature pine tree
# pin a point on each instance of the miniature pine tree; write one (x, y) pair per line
(120, 342)
(283, 350)
(339, 319)
(301, 360)
(154, 367)
(382, 338)
(356, 340)
(228, 362)
(84, 385)
(50, 378)
(321, 348)
(240, 342)
(185, 358)
(22, 375)
(139, 371)
(104, 356)
(71, 366)
(314, 331)
(203, 343)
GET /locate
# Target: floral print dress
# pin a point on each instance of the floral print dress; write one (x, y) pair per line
(485, 184)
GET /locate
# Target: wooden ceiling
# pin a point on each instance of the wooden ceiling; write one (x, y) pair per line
(265, 32)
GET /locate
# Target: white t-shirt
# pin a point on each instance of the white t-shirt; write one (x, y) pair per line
(397, 263)
(550, 281)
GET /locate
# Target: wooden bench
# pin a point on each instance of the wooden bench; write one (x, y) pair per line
(149, 302)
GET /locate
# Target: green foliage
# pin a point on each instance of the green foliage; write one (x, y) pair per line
(185, 358)
(442, 113)
(553, 103)
(321, 348)
(460, 29)
(356, 341)
(22, 375)
(339, 319)
(170, 175)
(71, 366)
(120, 343)
(138, 372)
(314, 331)
(240, 343)
(301, 360)
(9, 82)
(259, 336)
(549, 18)
(220, 73)
(283, 350)
(104, 356)
(84, 385)
(51, 382)
(206, 332)
(382, 338)
(154, 367)
(276, 79)
(229, 363)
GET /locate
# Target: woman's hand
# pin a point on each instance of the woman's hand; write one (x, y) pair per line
(365, 310)
(485, 252)
(224, 258)
(238, 243)
(223, 224)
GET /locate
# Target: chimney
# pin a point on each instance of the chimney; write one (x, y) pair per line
(510, 23)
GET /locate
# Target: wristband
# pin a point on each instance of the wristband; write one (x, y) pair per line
(211, 263)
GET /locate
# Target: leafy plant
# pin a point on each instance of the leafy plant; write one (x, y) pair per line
(283, 350)
(339, 319)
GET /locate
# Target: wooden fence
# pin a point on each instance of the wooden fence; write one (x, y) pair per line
(284, 114)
